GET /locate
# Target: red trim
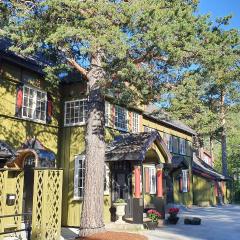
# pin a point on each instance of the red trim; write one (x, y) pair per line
(19, 98)
(180, 184)
(147, 180)
(137, 182)
(188, 183)
(159, 183)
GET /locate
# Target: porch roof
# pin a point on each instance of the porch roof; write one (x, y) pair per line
(179, 161)
(134, 146)
(202, 168)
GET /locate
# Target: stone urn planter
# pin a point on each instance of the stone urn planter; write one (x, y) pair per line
(151, 225)
(120, 210)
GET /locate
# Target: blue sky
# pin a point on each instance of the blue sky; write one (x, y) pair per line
(219, 8)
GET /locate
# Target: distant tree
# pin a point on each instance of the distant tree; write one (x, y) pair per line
(129, 47)
(204, 98)
(222, 66)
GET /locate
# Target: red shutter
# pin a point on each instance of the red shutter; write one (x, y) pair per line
(130, 119)
(180, 184)
(147, 180)
(19, 100)
(49, 108)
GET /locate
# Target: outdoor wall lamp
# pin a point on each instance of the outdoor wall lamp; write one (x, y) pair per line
(11, 198)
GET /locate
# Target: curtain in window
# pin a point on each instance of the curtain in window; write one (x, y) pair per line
(49, 108)
(19, 100)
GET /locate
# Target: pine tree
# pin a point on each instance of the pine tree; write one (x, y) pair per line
(128, 47)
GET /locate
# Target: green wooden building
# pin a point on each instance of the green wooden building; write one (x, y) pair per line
(149, 161)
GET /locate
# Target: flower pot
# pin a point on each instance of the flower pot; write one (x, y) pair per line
(173, 220)
(120, 211)
(151, 225)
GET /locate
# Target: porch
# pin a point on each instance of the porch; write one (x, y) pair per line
(137, 166)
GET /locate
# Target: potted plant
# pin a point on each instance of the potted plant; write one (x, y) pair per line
(154, 215)
(173, 219)
(120, 204)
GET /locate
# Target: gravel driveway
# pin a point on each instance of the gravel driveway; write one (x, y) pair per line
(218, 223)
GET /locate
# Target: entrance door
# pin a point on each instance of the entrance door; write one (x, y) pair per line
(122, 187)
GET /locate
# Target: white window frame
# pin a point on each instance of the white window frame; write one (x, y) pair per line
(106, 179)
(152, 179)
(135, 122)
(78, 122)
(184, 181)
(116, 118)
(77, 169)
(35, 100)
(107, 114)
(148, 129)
(182, 146)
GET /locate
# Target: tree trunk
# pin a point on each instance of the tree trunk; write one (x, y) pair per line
(211, 149)
(92, 209)
(223, 134)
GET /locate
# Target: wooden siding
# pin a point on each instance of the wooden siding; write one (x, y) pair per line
(203, 191)
(163, 129)
(185, 198)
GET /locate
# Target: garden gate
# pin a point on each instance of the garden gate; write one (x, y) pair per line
(46, 206)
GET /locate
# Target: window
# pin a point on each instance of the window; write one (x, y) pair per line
(182, 146)
(135, 122)
(152, 173)
(107, 113)
(184, 180)
(75, 112)
(34, 104)
(170, 143)
(175, 145)
(150, 179)
(148, 129)
(79, 172)
(120, 118)
(106, 179)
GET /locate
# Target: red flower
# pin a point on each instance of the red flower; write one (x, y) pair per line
(173, 210)
(154, 215)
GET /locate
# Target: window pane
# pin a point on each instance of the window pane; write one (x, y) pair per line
(75, 112)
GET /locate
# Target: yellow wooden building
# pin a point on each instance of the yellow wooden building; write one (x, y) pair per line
(149, 159)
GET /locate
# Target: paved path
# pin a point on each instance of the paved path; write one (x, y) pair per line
(218, 223)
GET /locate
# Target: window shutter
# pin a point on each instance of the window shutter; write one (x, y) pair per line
(49, 108)
(147, 180)
(76, 177)
(180, 184)
(19, 100)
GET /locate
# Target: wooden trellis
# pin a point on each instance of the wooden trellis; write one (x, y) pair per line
(11, 182)
(47, 200)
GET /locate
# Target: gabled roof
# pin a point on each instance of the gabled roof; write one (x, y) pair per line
(35, 63)
(134, 146)
(155, 113)
(203, 169)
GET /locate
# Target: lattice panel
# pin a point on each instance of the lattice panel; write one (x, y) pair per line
(47, 204)
(2, 181)
(19, 197)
